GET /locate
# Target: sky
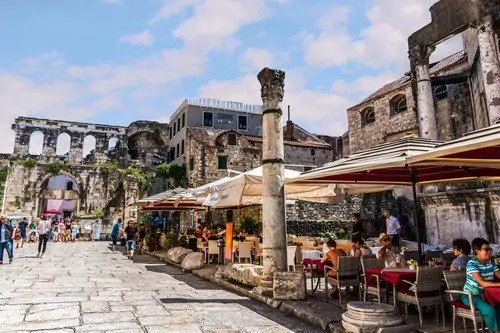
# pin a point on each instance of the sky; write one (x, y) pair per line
(118, 61)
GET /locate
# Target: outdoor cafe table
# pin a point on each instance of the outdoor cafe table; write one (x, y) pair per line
(394, 276)
(316, 267)
(492, 295)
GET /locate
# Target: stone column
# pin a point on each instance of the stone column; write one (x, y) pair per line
(273, 190)
(419, 56)
(490, 69)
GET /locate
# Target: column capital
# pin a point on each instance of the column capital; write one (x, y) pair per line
(419, 54)
(272, 83)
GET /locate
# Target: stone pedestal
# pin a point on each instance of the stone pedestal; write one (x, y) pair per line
(289, 286)
(368, 317)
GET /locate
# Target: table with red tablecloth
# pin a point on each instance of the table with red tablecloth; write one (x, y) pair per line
(316, 267)
(492, 295)
(394, 276)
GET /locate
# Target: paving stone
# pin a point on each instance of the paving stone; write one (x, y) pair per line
(54, 314)
(165, 320)
(95, 306)
(95, 318)
(189, 328)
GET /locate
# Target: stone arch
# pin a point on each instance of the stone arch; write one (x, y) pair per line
(63, 144)
(367, 116)
(36, 143)
(89, 145)
(112, 143)
(398, 104)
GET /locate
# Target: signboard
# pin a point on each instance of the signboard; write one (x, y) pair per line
(225, 118)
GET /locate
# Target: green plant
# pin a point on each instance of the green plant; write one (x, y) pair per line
(55, 168)
(250, 225)
(29, 163)
(163, 171)
(17, 202)
(178, 174)
(98, 213)
(110, 168)
(145, 179)
(4, 172)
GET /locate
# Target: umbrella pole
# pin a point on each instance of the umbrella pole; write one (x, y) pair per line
(416, 213)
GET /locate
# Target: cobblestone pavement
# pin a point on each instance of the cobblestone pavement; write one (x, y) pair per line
(85, 287)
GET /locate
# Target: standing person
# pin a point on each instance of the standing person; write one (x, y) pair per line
(33, 234)
(115, 232)
(480, 273)
(43, 235)
(142, 236)
(130, 232)
(357, 227)
(7, 232)
(22, 226)
(393, 227)
(67, 230)
(61, 228)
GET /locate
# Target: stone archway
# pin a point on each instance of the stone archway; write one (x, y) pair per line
(63, 190)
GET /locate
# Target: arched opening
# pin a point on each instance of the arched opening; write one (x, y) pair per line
(112, 144)
(59, 196)
(398, 104)
(63, 144)
(89, 144)
(367, 116)
(36, 143)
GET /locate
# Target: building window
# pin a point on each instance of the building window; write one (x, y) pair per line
(222, 162)
(172, 154)
(175, 128)
(178, 151)
(313, 152)
(398, 104)
(441, 92)
(231, 139)
(191, 164)
(208, 118)
(178, 124)
(170, 132)
(242, 123)
(69, 186)
(367, 116)
(182, 147)
(183, 120)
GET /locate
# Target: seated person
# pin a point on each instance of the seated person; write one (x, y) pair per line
(331, 259)
(481, 273)
(461, 249)
(359, 248)
(391, 259)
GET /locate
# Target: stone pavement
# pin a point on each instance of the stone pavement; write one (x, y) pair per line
(85, 287)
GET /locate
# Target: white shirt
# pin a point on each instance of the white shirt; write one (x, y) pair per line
(44, 227)
(392, 225)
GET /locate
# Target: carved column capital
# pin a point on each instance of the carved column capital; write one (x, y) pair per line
(419, 54)
(272, 83)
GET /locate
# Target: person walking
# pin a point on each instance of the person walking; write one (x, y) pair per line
(130, 232)
(115, 232)
(44, 227)
(22, 227)
(393, 227)
(7, 232)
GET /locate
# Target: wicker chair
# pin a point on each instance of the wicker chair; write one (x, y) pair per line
(425, 291)
(376, 287)
(346, 275)
(454, 283)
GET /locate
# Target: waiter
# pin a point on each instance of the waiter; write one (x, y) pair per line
(393, 227)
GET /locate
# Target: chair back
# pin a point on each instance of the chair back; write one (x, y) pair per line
(212, 247)
(429, 255)
(429, 278)
(348, 266)
(412, 255)
(245, 250)
(372, 263)
(290, 255)
(369, 256)
(454, 281)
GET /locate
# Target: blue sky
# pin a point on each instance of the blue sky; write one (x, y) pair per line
(117, 61)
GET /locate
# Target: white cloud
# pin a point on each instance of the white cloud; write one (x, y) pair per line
(142, 38)
(364, 85)
(257, 58)
(171, 8)
(323, 112)
(383, 43)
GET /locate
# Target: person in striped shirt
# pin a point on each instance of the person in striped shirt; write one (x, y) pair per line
(481, 272)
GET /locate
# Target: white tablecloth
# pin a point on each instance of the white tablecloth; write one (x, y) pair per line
(312, 254)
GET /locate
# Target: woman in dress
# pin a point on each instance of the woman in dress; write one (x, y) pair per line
(461, 249)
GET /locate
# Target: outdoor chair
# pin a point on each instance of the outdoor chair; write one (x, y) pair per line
(346, 275)
(454, 284)
(290, 257)
(376, 287)
(425, 291)
(429, 255)
(245, 251)
(212, 250)
(411, 255)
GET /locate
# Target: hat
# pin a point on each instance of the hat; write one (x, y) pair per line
(383, 236)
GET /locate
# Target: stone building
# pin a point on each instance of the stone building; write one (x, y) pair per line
(64, 166)
(442, 100)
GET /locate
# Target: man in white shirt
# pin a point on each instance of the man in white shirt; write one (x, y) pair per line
(393, 227)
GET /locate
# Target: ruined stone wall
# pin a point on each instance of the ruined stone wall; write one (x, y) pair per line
(462, 213)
